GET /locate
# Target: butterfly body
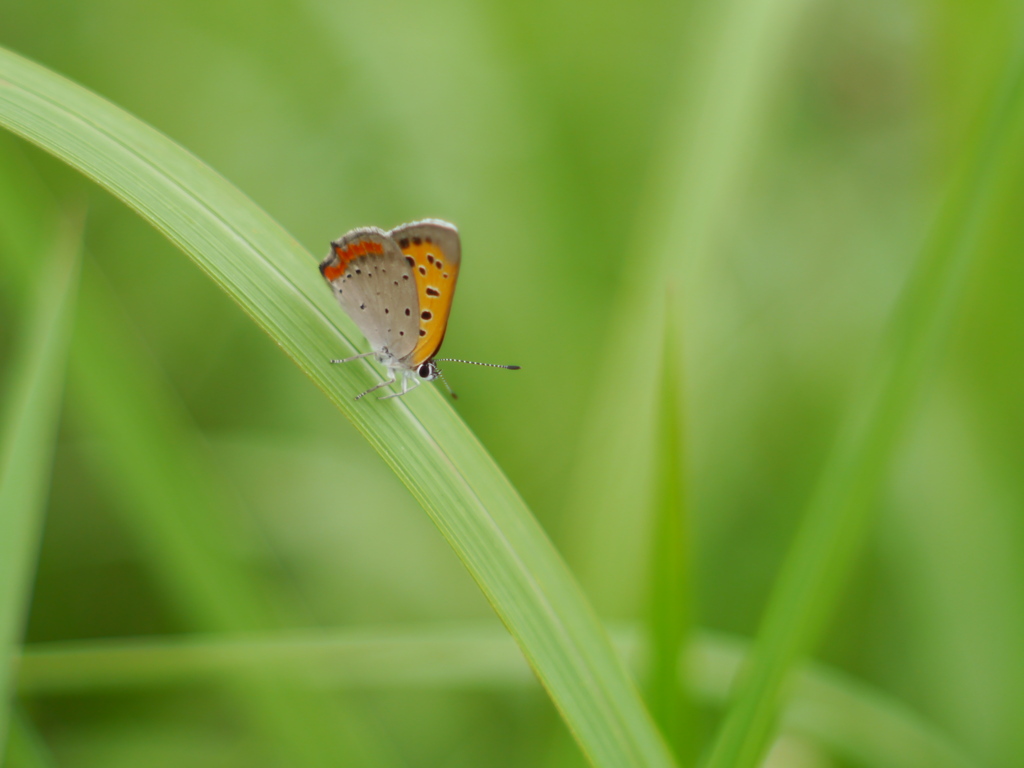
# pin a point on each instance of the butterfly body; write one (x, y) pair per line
(398, 287)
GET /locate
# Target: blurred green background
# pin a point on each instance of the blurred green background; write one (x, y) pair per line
(773, 169)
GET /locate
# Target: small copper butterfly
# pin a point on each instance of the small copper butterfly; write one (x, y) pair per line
(398, 288)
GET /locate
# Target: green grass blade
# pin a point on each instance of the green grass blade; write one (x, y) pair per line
(731, 64)
(852, 720)
(171, 500)
(845, 717)
(176, 507)
(670, 584)
(840, 512)
(185, 521)
(24, 747)
(29, 431)
(276, 282)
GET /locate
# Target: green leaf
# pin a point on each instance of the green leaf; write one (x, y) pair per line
(841, 510)
(276, 282)
(28, 434)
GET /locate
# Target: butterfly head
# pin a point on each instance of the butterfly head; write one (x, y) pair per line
(425, 371)
(428, 371)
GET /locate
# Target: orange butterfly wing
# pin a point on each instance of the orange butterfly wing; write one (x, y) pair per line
(434, 252)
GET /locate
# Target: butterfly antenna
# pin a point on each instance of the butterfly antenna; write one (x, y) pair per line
(445, 381)
(473, 362)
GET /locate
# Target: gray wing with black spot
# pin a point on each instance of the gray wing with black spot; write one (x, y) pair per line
(374, 284)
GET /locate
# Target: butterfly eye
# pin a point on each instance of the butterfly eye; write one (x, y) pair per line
(426, 371)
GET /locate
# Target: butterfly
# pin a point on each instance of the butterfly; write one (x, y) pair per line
(398, 288)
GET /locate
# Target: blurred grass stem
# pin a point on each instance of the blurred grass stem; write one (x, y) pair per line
(28, 434)
(841, 511)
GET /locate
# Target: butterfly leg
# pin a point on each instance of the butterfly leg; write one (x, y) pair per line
(405, 388)
(350, 359)
(374, 389)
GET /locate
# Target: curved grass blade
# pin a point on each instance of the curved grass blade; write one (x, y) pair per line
(276, 282)
(840, 511)
(27, 441)
(169, 497)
